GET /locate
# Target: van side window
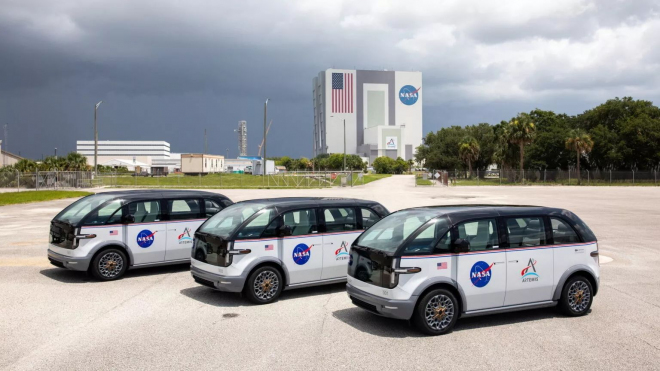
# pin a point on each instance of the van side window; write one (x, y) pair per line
(424, 242)
(526, 231)
(301, 221)
(340, 219)
(369, 218)
(184, 209)
(562, 233)
(105, 214)
(145, 211)
(257, 225)
(211, 208)
(444, 245)
(482, 234)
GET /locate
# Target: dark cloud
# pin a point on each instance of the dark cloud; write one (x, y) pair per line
(167, 70)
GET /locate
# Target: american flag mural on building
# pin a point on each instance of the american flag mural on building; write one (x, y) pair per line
(342, 92)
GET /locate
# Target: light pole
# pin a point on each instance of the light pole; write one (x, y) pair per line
(265, 116)
(344, 145)
(96, 138)
(55, 152)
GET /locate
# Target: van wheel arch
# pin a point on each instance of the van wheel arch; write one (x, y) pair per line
(447, 287)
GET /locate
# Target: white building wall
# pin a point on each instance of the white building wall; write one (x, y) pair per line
(409, 115)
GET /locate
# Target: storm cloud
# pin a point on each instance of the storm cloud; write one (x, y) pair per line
(167, 70)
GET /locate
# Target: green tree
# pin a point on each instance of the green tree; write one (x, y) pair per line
(400, 166)
(384, 165)
(440, 149)
(581, 143)
(521, 131)
(76, 162)
(485, 137)
(468, 151)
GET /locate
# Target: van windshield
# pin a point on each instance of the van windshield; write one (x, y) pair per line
(224, 223)
(73, 213)
(391, 231)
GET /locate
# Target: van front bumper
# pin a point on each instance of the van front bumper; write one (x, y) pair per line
(400, 309)
(218, 282)
(69, 262)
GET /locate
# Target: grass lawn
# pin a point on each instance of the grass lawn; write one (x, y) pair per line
(283, 180)
(11, 198)
(423, 182)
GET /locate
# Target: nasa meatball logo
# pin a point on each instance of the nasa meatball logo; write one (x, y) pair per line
(480, 274)
(409, 95)
(145, 238)
(302, 253)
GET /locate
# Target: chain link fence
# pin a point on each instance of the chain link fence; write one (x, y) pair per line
(555, 177)
(46, 180)
(79, 179)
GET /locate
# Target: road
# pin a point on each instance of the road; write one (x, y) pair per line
(158, 318)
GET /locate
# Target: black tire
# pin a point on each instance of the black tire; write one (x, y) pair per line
(264, 285)
(576, 297)
(109, 265)
(447, 311)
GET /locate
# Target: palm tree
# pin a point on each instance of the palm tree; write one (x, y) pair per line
(410, 165)
(76, 162)
(581, 143)
(521, 131)
(468, 151)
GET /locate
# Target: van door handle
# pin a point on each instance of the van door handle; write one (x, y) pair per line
(171, 229)
(513, 261)
(498, 263)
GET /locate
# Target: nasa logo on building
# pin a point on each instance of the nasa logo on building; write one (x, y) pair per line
(409, 95)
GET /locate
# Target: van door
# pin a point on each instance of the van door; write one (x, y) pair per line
(530, 262)
(302, 252)
(341, 229)
(146, 236)
(185, 216)
(481, 272)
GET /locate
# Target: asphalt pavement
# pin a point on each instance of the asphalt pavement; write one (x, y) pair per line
(159, 318)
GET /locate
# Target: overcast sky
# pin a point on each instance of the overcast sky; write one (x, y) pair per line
(167, 69)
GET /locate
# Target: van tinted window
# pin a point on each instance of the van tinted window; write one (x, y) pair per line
(301, 221)
(184, 209)
(482, 234)
(102, 215)
(369, 218)
(340, 219)
(526, 231)
(562, 233)
(145, 211)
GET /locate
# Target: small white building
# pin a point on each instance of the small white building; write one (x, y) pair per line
(131, 165)
(198, 163)
(7, 158)
(139, 150)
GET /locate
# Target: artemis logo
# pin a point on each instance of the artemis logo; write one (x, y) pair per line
(342, 252)
(529, 273)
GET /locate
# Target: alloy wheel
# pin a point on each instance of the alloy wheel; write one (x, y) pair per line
(266, 285)
(579, 296)
(439, 312)
(111, 265)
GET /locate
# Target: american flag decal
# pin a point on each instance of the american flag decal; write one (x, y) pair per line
(114, 233)
(269, 247)
(442, 265)
(342, 92)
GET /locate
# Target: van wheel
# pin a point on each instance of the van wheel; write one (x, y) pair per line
(264, 285)
(576, 297)
(108, 265)
(436, 313)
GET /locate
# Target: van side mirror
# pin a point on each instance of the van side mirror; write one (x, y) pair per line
(461, 245)
(284, 231)
(126, 219)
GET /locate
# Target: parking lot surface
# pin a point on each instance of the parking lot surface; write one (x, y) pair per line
(159, 318)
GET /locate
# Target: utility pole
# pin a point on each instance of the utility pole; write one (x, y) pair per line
(344, 144)
(6, 146)
(55, 152)
(265, 132)
(205, 143)
(96, 139)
